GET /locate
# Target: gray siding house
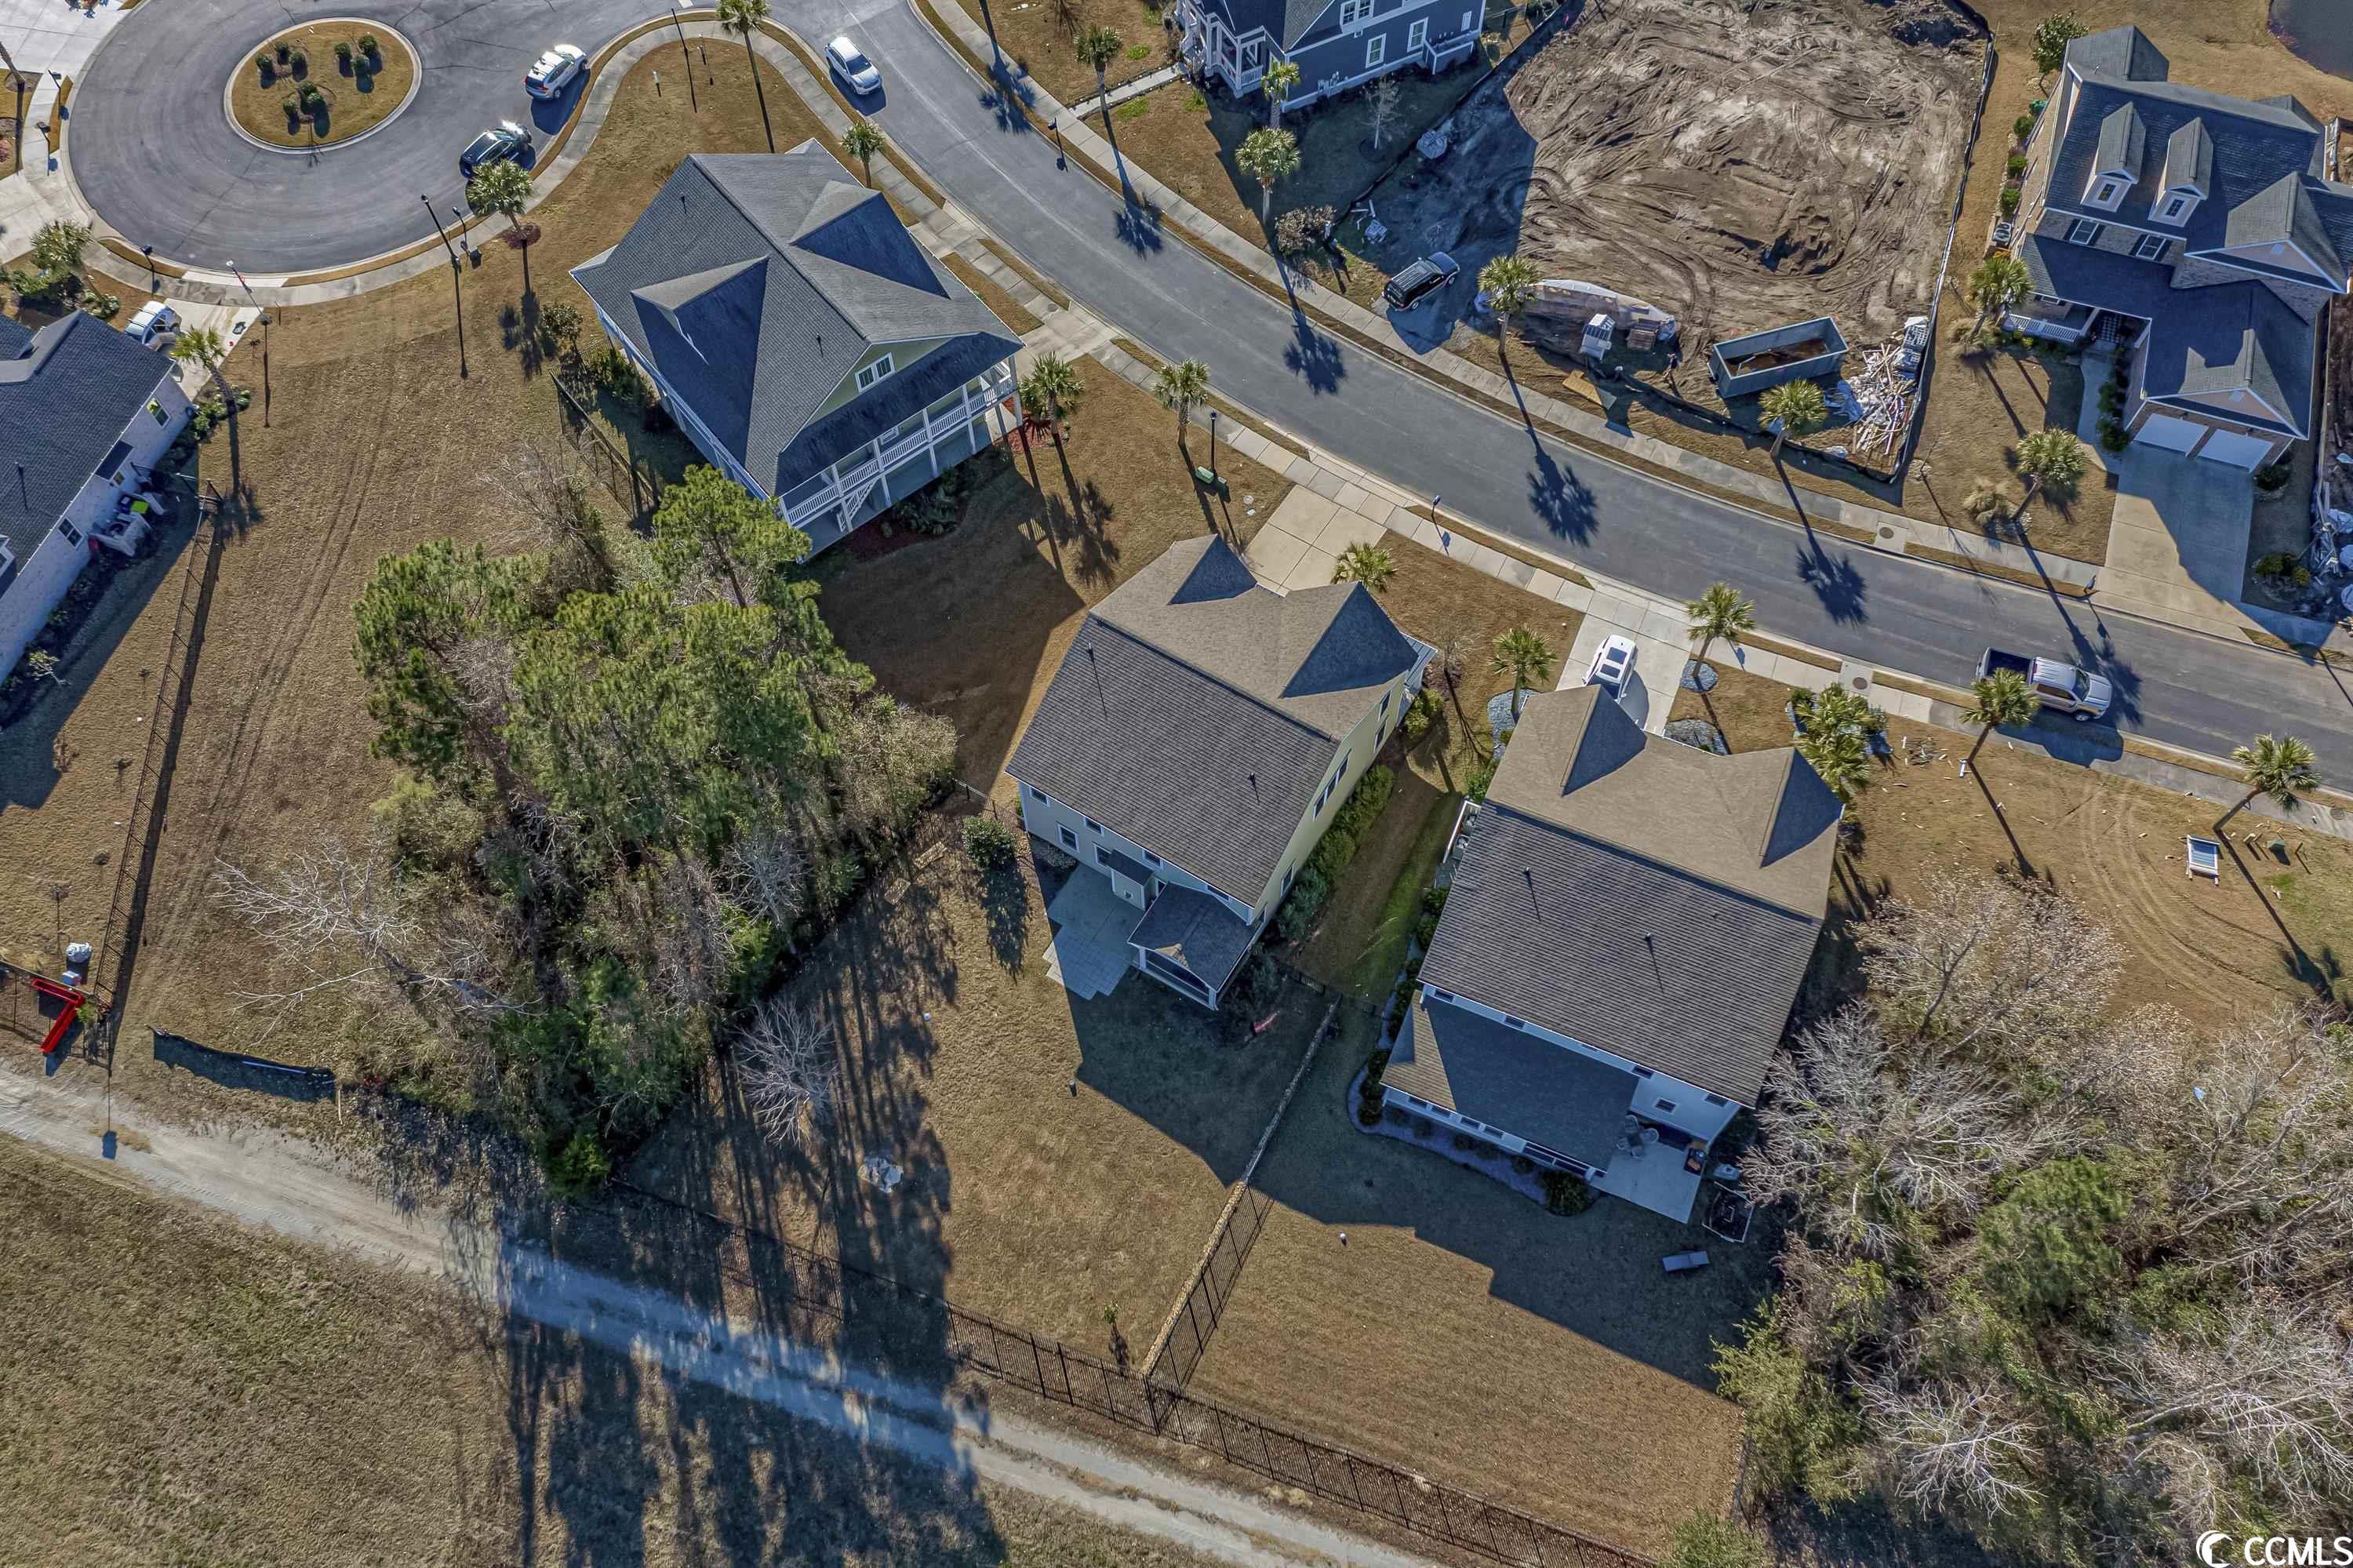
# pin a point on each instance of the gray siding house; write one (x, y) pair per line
(2204, 231)
(1620, 946)
(1194, 741)
(805, 341)
(85, 414)
(1337, 44)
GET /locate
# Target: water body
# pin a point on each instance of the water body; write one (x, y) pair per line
(2319, 32)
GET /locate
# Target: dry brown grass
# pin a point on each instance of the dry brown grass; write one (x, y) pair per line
(185, 1390)
(1360, 943)
(375, 445)
(972, 626)
(1008, 310)
(1467, 1334)
(1037, 37)
(1023, 1199)
(1983, 404)
(2114, 846)
(357, 99)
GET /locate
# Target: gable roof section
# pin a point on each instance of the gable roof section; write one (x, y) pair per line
(2284, 213)
(1285, 21)
(1197, 931)
(2236, 338)
(1651, 900)
(755, 281)
(1471, 1065)
(66, 393)
(1197, 713)
(2189, 158)
(2121, 52)
(2124, 142)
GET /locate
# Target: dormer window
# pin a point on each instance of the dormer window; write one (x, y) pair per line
(2176, 207)
(2109, 192)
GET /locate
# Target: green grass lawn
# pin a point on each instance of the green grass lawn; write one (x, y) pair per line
(1362, 942)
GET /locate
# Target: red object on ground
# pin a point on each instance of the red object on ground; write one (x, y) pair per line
(72, 1000)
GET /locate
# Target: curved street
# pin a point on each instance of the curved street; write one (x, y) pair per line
(203, 197)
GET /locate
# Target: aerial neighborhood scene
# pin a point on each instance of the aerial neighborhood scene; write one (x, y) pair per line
(1082, 782)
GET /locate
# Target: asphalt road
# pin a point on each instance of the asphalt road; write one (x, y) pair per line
(2176, 686)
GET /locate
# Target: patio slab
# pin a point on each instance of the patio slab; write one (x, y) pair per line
(1090, 954)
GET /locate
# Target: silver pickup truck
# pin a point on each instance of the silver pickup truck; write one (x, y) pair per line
(2061, 687)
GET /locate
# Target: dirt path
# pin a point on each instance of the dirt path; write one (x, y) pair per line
(265, 1179)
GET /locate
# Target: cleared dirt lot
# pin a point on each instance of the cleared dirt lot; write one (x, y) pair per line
(1465, 1333)
(1737, 169)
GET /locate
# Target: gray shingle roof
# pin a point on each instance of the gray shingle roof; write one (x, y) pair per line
(1288, 21)
(2123, 52)
(1197, 931)
(2239, 337)
(1652, 900)
(2107, 280)
(2189, 159)
(1532, 1088)
(66, 393)
(1197, 714)
(755, 281)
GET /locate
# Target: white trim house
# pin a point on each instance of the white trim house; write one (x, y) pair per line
(85, 416)
(1337, 44)
(803, 341)
(1197, 741)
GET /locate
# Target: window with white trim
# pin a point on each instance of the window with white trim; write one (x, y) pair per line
(1070, 839)
(1376, 49)
(867, 375)
(2175, 206)
(1150, 859)
(1417, 35)
(2149, 247)
(1436, 995)
(1037, 794)
(1094, 826)
(2084, 231)
(2109, 191)
(1354, 11)
(1511, 1023)
(72, 534)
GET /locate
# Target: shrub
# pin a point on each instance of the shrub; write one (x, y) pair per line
(1465, 1141)
(369, 48)
(613, 374)
(2023, 127)
(1302, 228)
(1309, 891)
(268, 72)
(1565, 1192)
(1422, 1127)
(2272, 477)
(1706, 1539)
(285, 53)
(105, 307)
(1522, 1165)
(2113, 436)
(1251, 991)
(580, 1166)
(2017, 165)
(989, 842)
(2008, 202)
(301, 62)
(1985, 501)
(293, 105)
(2284, 567)
(342, 53)
(1421, 715)
(2111, 397)
(310, 95)
(1364, 802)
(559, 327)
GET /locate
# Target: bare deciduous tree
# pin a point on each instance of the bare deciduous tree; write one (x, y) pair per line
(764, 873)
(342, 919)
(789, 1070)
(2268, 1386)
(1860, 1133)
(1382, 95)
(689, 952)
(893, 758)
(1948, 1445)
(1991, 962)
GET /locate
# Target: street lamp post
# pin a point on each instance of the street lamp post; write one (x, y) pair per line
(1213, 440)
(264, 320)
(455, 291)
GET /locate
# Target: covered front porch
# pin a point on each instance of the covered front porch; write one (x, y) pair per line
(836, 500)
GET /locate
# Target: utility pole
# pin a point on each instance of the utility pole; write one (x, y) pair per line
(685, 54)
(455, 291)
(264, 320)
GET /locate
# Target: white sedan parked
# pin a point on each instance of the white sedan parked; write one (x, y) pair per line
(553, 71)
(850, 63)
(154, 325)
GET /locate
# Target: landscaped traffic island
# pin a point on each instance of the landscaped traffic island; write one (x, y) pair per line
(321, 83)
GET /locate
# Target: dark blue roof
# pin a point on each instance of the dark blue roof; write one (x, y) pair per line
(66, 394)
(2238, 338)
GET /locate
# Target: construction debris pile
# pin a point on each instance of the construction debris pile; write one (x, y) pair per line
(1878, 401)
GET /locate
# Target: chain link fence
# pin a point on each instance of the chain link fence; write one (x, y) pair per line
(631, 483)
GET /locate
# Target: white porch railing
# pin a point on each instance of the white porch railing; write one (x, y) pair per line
(824, 505)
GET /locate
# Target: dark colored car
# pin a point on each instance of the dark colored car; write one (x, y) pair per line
(1417, 282)
(505, 140)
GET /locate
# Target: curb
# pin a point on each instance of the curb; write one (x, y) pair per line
(415, 83)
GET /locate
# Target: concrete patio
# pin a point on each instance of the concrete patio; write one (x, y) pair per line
(1089, 955)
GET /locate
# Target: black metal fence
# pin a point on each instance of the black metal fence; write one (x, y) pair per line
(814, 1296)
(1213, 1287)
(631, 483)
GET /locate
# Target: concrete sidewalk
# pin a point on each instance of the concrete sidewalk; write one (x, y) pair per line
(49, 41)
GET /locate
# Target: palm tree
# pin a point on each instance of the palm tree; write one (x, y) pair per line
(1524, 657)
(1840, 757)
(861, 142)
(1366, 563)
(1720, 611)
(503, 188)
(1278, 79)
(2047, 457)
(744, 18)
(1998, 282)
(2279, 766)
(1797, 406)
(1180, 387)
(1996, 700)
(1053, 388)
(1098, 46)
(202, 348)
(1507, 281)
(1268, 156)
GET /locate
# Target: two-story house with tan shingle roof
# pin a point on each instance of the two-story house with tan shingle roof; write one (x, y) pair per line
(1195, 740)
(2204, 230)
(1620, 949)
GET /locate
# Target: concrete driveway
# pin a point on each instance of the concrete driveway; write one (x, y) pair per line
(2178, 546)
